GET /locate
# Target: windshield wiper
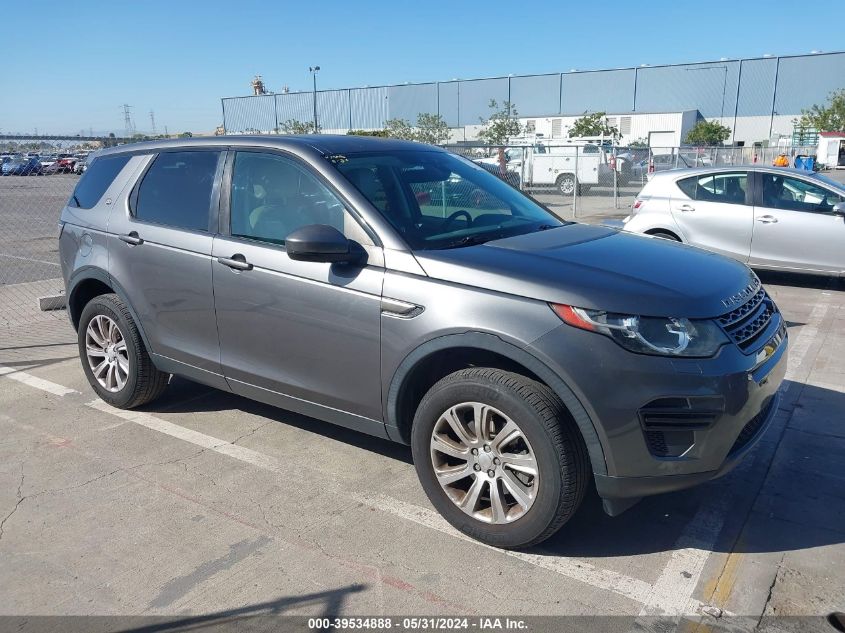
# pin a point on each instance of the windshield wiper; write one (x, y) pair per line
(472, 240)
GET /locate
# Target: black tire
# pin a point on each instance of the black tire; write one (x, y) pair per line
(666, 235)
(144, 382)
(559, 450)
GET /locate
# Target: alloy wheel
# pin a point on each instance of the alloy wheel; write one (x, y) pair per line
(484, 463)
(105, 349)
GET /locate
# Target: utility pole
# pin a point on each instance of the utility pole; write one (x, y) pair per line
(153, 121)
(313, 70)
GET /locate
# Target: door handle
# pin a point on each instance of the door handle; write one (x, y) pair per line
(236, 262)
(131, 238)
(686, 208)
(767, 219)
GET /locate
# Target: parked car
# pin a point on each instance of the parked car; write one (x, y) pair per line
(66, 164)
(662, 162)
(767, 217)
(47, 161)
(22, 167)
(52, 168)
(519, 355)
(80, 166)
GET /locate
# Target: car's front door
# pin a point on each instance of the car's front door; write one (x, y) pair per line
(795, 227)
(303, 335)
(713, 210)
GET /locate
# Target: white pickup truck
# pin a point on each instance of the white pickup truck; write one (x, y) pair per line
(566, 168)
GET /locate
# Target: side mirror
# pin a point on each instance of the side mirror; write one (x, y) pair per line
(839, 209)
(320, 243)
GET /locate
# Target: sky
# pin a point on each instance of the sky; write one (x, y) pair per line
(70, 66)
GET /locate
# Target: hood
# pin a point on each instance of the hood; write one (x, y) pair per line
(600, 268)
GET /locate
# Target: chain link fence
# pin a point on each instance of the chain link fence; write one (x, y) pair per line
(31, 286)
(591, 182)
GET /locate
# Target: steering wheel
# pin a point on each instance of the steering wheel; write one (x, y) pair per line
(454, 217)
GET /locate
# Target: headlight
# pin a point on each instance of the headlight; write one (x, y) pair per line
(648, 335)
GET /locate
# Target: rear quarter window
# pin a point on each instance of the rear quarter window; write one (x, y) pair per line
(688, 186)
(96, 179)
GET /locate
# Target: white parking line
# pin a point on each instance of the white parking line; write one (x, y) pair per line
(34, 381)
(801, 345)
(217, 445)
(30, 259)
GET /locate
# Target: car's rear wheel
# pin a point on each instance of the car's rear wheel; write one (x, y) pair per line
(499, 457)
(566, 184)
(113, 355)
(665, 235)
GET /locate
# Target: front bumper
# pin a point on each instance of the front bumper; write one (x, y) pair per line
(620, 493)
(620, 390)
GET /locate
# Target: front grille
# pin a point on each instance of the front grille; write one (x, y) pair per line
(753, 426)
(746, 324)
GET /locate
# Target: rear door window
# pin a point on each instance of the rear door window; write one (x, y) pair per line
(729, 188)
(176, 190)
(96, 179)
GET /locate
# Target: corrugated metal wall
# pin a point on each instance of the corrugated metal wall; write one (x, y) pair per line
(590, 91)
(764, 87)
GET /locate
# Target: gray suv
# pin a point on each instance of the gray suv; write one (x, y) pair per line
(400, 290)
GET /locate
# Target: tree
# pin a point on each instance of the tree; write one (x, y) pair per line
(292, 126)
(186, 135)
(594, 124)
(377, 133)
(828, 118)
(499, 128)
(431, 129)
(707, 133)
(502, 125)
(399, 128)
(638, 143)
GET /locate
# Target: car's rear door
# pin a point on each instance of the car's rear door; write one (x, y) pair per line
(713, 210)
(303, 335)
(160, 255)
(794, 225)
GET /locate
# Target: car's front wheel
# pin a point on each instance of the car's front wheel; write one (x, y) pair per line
(499, 456)
(113, 355)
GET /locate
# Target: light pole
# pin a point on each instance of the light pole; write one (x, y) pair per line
(313, 70)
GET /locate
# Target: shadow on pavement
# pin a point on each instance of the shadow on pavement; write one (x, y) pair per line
(261, 616)
(798, 280)
(184, 396)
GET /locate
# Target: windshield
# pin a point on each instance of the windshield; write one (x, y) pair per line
(829, 181)
(439, 200)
